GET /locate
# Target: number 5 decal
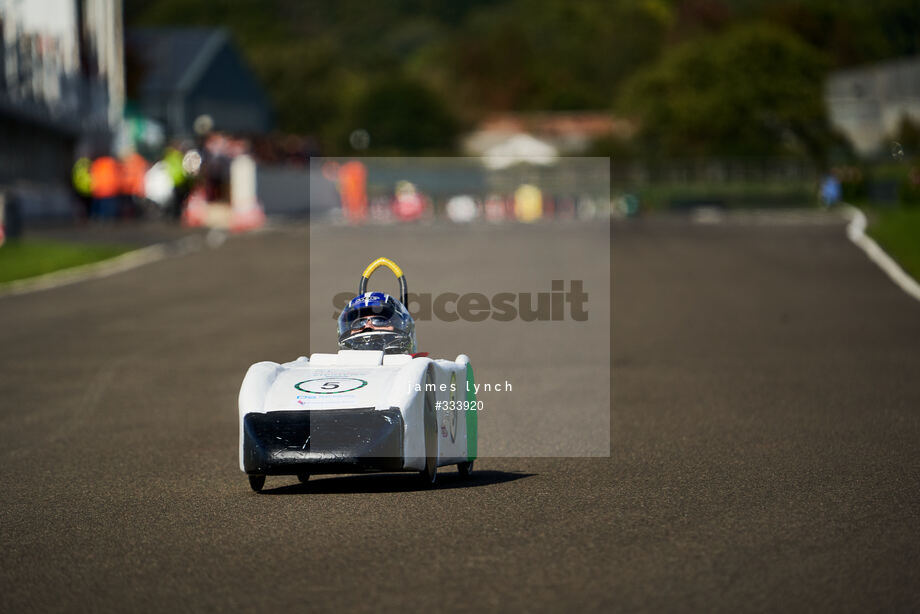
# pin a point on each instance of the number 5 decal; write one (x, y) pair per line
(330, 385)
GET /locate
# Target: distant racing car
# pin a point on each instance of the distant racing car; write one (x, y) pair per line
(376, 405)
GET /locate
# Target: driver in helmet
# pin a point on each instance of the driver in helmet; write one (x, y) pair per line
(377, 321)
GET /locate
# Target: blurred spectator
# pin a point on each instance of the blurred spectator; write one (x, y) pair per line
(216, 168)
(565, 209)
(172, 161)
(830, 190)
(105, 176)
(353, 187)
(409, 205)
(83, 185)
(462, 209)
(227, 195)
(494, 208)
(528, 203)
(158, 185)
(134, 169)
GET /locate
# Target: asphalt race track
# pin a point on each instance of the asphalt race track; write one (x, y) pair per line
(765, 446)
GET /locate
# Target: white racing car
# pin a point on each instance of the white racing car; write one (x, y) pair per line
(376, 405)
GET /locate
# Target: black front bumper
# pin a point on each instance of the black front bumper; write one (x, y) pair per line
(323, 441)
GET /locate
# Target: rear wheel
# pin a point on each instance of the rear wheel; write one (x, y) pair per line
(303, 477)
(465, 469)
(429, 475)
(256, 482)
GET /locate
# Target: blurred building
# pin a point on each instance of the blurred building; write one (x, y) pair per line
(61, 83)
(867, 103)
(189, 74)
(567, 133)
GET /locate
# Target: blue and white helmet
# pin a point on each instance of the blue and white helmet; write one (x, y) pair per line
(377, 321)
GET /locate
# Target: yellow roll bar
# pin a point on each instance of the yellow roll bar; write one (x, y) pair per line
(379, 262)
(376, 264)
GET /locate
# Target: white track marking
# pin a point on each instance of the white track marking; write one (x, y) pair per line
(856, 231)
(104, 268)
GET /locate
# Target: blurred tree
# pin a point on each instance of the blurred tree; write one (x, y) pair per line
(754, 90)
(549, 54)
(849, 31)
(316, 58)
(305, 82)
(699, 17)
(401, 115)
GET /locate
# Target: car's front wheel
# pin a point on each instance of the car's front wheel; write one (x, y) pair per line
(465, 469)
(303, 477)
(256, 482)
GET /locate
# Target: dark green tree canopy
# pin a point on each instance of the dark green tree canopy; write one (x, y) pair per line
(401, 114)
(318, 59)
(753, 90)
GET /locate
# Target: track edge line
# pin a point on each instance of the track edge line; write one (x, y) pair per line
(856, 232)
(103, 268)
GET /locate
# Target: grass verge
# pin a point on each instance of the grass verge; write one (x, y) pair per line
(897, 231)
(31, 257)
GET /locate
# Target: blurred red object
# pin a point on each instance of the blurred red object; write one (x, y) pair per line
(195, 213)
(105, 177)
(249, 219)
(353, 187)
(409, 207)
(134, 168)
